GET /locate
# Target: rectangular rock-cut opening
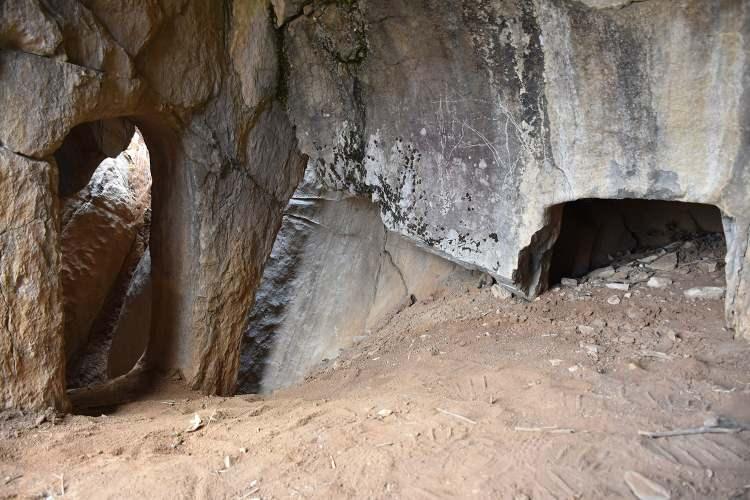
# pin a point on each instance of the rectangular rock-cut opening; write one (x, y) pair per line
(645, 238)
(105, 198)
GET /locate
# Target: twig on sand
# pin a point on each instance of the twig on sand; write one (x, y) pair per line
(62, 483)
(249, 493)
(549, 430)
(712, 425)
(687, 432)
(10, 479)
(456, 415)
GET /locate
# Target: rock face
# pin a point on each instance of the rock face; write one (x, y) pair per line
(334, 275)
(133, 326)
(106, 229)
(32, 363)
(224, 160)
(99, 227)
(469, 123)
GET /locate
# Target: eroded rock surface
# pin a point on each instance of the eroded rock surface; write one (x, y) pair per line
(133, 326)
(224, 157)
(32, 363)
(335, 275)
(99, 227)
(467, 121)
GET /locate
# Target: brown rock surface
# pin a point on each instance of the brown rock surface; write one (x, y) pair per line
(224, 156)
(99, 226)
(32, 364)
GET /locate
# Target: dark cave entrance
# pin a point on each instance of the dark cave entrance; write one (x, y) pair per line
(594, 233)
(104, 170)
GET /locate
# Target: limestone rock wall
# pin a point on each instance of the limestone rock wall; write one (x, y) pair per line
(466, 121)
(32, 362)
(335, 275)
(201, 81)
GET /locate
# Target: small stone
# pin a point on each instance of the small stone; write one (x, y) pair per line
(613, 300)
(308, 9)
(705, 293)
(644, 488)
(621, 274)
(618, 286)
(657, 282)
(601, 273)
(711, 421)
(500, 292)
(485, 280)
(585, 330)
(385, 413)
(639, 276)
(628, 295)
(649, 258)
(599, 323)
(591, 349)
(569, 282)
(573, 369)
(555, 362)
(707, 266)
(664, 263)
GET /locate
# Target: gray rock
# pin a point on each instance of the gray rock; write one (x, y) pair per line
(613, 300)
(601, 273)
(500, 292)
(591, 349)
(658, 282)
(707, 266)
(705, 293)
(618, 286)
(585, 330)
(355, 275)
(664, 263)
(569, 282)
(649, 258)
(639, 276)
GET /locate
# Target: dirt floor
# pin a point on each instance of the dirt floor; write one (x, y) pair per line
(461, 395)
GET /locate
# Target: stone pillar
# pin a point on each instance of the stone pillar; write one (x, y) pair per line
(32, 361)
(737, 305)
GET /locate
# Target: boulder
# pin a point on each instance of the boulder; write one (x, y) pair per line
(99, 226)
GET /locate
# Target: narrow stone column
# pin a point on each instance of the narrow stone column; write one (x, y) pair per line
(737, 305)
(32, 361)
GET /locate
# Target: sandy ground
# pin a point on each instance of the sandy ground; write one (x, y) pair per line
(460, 395)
